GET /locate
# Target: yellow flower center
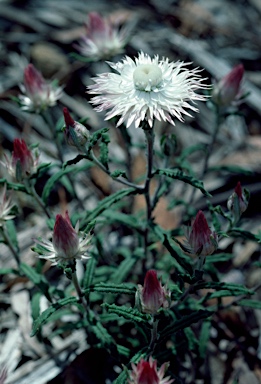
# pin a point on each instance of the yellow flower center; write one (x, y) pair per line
(147, 77)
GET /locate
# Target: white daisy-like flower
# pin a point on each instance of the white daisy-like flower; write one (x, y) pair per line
(67, 243)
(147, 88)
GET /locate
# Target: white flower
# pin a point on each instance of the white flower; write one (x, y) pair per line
(67, 244)
(146, 88)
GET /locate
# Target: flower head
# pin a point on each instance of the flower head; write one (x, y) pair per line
(67, 243)
(23, 162)
(237, 203)
(145, 372)
(38, 93)
(228, 88)
(202, 241)
(103, 39)
(152, 296)
(5, 208)
(75, 133)
(147, 88)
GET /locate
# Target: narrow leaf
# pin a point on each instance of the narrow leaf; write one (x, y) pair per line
(130, 314)
(49, 311)
(256, 304)
(37, 278)
(107, 202)
(179, 175)
(115, 289)
(89, 273)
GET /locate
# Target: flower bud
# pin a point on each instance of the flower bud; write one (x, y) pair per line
(102, 39)
(201, 240)
(38, 93)
(152, 296)
(228, 88)
(23, 162)
(145, 372)
(237, 203)
(67, 243)
(76, 134)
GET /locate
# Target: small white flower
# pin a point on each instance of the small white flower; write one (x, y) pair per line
(147, 88)
(67, 243)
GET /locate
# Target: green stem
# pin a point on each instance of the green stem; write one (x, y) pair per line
(120, 180)
(150, 140)
(154, 335)
(10, 245)
(37, 198)
(79, 291)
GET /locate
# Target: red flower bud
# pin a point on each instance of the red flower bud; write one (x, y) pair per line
(65, 238)
(75, 133)
(202, 241)
(228, 88)
(152, 295)
(145, 372)
(237, 203)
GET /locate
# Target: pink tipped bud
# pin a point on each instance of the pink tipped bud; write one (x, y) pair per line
(152, 296)
(237, 203)
(228, 88)
(145, 372)
(23, 162)
(65, 238)
(75, 133)
(38, 93)
(102, 39)
(202, 241)
(33, 80)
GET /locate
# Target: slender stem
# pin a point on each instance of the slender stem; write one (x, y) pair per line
(154, 334)
(150, 139)
(10, 245)
(30, 187)
(120, 180)
(79, 291)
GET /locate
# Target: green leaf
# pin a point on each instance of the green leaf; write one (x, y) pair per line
(176, 252)
(218, 258)
(123, 270)
(41, 170)
(130, 314)
(204, 337)
(179, 175)
(11, 230)
(118, 173)
(231, 169)
(107, 202)
(185, 322)
(237, 232)
(42, 319)
(89, 273)
(130, 221)
(14, 186)
(232, 289)
(115, 289)
(256, 304)
(57, 176)
(38, 279)
(5, 271)
(189, 150)
(35, 305)
(102, 334)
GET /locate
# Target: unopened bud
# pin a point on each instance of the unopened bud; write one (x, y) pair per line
(228, 88)
(76, 134)
(152, 296)
(201, 240)
(237, 203)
